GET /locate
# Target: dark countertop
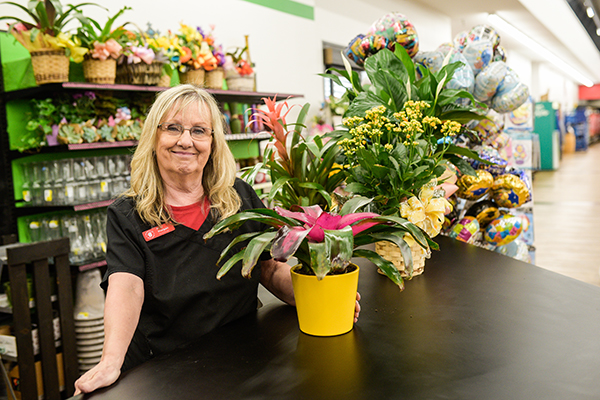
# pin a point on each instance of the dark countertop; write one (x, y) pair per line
(475, 325)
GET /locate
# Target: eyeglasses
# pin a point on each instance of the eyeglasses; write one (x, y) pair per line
(176, 130)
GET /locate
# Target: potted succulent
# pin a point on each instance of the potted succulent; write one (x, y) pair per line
(398, 141)
(198, 57)
(45, 38)
(104, 48)
(304, 176)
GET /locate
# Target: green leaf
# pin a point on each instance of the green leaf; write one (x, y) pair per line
(230, 263)
(402, 245)
(341, 244)
(254, 249)
(238, 239)
(388, 268)
(354, 204)
(319, 259)
(262, 215)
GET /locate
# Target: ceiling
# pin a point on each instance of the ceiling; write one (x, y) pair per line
(552, 23)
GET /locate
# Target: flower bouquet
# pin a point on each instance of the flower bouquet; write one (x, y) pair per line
(398, 141)
(166, 46)
(104, 48)
(138, 64)
(198, 57)
(239, 73)
(46, 40)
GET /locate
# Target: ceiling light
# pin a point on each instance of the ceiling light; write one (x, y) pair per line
(590, 12)
(539, 49)
(597, 31)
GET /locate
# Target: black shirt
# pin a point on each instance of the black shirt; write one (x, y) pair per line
(183, 298)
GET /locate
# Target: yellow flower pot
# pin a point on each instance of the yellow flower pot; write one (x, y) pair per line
(325, 307)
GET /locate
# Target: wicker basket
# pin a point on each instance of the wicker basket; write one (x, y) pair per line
(139, 74)
(241, 83)
(100, 71)
(165, 80)
(195, 76)
(214, 79)
(392, 253)
(50, 66)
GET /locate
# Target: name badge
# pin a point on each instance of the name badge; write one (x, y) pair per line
(158, 231)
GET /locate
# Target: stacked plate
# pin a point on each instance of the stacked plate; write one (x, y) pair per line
(89, 334)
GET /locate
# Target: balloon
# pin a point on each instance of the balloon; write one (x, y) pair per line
(460, 40)
(475, 187)
(396, 28)
(354, 51)
(510, 191)
(478, 55)
(463, 78)
(465, 230)
(499, 54)
(489, 79)
(485, 211)
(433, 60)
(483, 33)
(498, 166)
(486, 129)
(503, 230)
(511, 100)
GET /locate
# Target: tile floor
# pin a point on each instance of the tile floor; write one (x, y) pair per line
(567, 216)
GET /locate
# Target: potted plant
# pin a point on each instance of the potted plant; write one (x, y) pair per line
(167, 47)
(398, 141)
(45, 38)
(198, 56)
(104, 48)
(325, 281)
(239, 72)
(213, 78)
(304, 176)
(303, 170)
(138, 64)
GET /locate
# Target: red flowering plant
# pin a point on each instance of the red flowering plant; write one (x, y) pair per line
(306, 222)
(235, 62)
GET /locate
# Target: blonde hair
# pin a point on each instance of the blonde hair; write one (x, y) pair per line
(146, 182)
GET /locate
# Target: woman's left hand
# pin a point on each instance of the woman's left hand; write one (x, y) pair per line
(357, 308)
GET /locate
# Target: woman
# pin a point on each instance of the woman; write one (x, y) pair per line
(161, 284)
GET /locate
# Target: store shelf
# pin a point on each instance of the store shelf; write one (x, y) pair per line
(27, 209)
(247, 136)
(101, 145)
(226, 96)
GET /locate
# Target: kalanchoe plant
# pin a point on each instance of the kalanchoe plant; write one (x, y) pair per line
(322, 242)
(303, 171)
(394, 82)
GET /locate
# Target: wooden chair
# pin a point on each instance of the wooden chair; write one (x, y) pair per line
(34, 257)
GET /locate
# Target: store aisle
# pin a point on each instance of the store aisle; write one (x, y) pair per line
(567, 216)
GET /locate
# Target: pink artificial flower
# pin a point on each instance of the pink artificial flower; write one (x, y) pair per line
(140, 54)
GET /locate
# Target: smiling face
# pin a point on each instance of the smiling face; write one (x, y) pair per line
(179, 158)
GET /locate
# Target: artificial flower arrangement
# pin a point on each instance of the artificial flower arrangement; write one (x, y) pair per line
(167, 47)
(105, 46)
(47, 32)
(139, 64)
(197, 50)
(398, 138)
(239, 71)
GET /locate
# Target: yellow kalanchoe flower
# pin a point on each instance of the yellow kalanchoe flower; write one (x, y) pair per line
(426, 211)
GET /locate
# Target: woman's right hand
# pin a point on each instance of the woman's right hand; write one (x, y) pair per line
(102, 375)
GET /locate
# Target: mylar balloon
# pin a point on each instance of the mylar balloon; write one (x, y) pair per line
(503, 230)
(510, 191)
(485, 211)
(465, 230)
(397, 29)
(474, 187)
